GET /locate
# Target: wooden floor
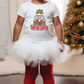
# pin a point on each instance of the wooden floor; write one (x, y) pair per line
(69, 79)
(18, 79)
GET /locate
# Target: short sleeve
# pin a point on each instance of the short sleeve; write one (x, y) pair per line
(56, 11)
(21, 12)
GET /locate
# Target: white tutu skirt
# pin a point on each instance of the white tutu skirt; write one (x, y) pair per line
(45, 52)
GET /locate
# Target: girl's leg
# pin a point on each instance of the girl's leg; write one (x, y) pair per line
(30, 74)
(47, 74)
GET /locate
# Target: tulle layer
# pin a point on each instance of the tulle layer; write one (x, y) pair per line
(26, 51)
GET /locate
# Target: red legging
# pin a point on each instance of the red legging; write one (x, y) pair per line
(45, 71)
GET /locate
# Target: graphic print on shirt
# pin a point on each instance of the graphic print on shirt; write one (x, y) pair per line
(39, 22)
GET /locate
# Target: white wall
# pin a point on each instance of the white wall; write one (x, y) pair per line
(59, 3)
(4, 26)
(65, 7)
(62, 5)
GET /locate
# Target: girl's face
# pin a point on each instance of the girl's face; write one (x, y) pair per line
(39, 0)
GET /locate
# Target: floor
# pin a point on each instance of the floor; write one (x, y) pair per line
(73, 66)
(69, 80)
(19, 78)
(70, 72)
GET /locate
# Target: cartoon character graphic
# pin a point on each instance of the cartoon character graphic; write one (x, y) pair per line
(39, 21)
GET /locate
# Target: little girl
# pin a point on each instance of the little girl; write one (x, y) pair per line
(39, 45)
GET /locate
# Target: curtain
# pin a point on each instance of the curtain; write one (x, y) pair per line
(13, 8)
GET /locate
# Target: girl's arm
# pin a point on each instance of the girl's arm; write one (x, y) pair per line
(17, 28)
(58, 29)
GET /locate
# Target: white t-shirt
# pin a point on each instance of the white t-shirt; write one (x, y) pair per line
(38, 21)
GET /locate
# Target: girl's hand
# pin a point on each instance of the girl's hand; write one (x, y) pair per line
(62, 46)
